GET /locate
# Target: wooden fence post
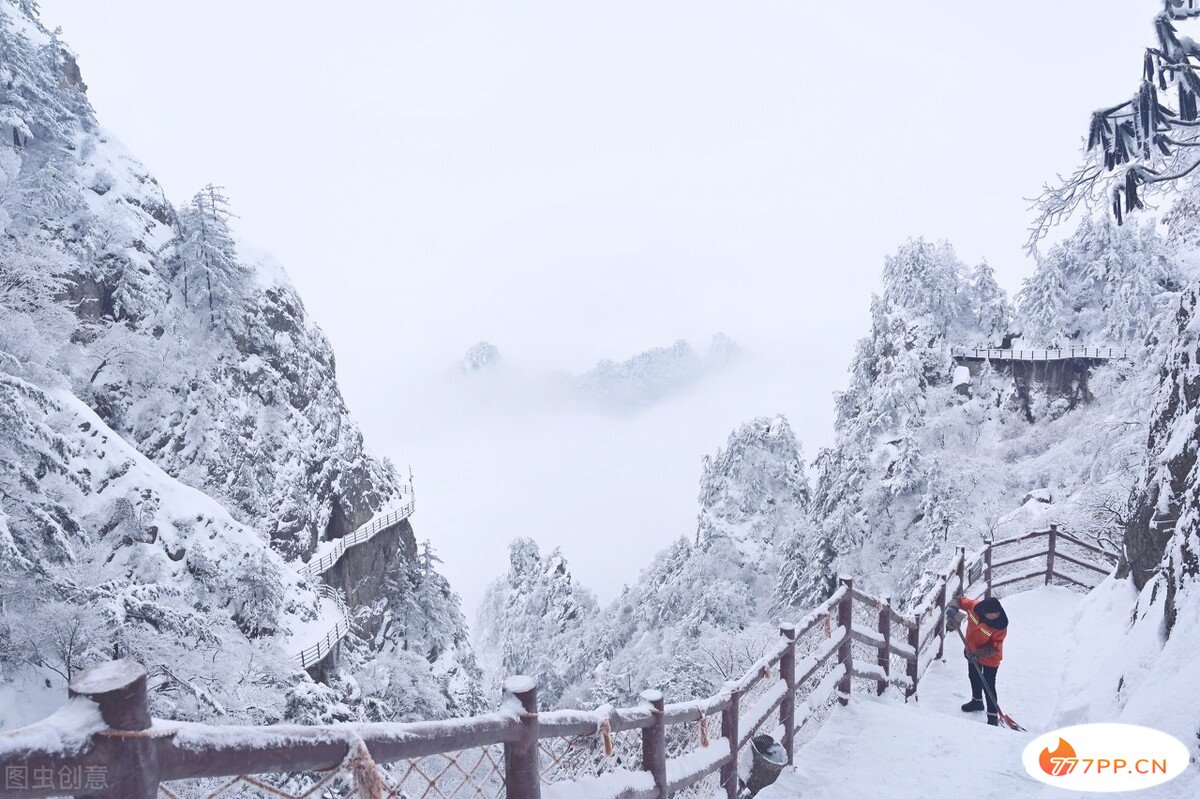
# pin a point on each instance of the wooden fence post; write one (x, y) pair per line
(987, 568)
(787, 672)
(885, 655)
(654, 742)
(941, 623)
(914, 643)
(845, 649)
(1050, 552)
(522, 771)
(118, 687)
(962, 570)
(729, 731)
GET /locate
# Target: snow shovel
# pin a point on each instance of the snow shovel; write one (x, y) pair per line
(1005, 719)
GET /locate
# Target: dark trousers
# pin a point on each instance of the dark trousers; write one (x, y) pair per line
(989, 676)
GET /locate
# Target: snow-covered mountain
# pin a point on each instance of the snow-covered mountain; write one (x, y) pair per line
(613, 387)
(652, 375)
(174, 442)
(695, 617)
(923, 461)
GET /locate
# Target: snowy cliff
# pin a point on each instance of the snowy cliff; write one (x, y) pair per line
(171, 411)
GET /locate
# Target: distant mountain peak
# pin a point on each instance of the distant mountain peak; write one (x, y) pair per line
(481, 356)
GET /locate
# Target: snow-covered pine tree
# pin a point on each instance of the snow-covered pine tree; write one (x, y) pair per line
(1104, 284)
(1045, 303)
(1143, 145)
(754, 489)
(531, 621)
(989, 302)
(209, 271)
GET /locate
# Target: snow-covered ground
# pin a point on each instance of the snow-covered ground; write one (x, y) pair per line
(930, 748)
(1029, 679)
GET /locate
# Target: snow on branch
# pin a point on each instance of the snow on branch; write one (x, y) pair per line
(1139, 145)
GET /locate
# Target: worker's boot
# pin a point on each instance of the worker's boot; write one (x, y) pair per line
(993, 720)
(974, 706)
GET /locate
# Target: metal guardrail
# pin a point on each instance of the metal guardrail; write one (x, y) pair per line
(366, 532)
(1055, 354)
(314, 654)
(124, 754)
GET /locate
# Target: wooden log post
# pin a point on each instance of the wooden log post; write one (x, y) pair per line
(729, 731)
(914, 643)
(941, 622)
(1050, 542)
(885, 654)
(787, 673)
(987, 569)
(522, 771)
(654, 742)
(962, 570)
(845, 649)
(118, 688)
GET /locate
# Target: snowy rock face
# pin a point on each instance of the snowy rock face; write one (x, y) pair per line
(1162, 537)
(220, 444)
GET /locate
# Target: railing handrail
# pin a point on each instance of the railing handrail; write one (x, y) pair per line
(1045, 354)
(189, 751)
(314, 654)
(365, 532)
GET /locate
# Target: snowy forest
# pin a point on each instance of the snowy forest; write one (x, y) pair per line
(183, 485)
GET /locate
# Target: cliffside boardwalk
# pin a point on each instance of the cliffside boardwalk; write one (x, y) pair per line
(325, 558)
(1043, 355)
(103, 743)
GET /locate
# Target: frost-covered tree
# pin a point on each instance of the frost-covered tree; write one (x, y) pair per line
(1104, 284)
(989, 302)
(1143, 145)
(1045, 303)
(530, 620)
(754, 487)
(209, 270)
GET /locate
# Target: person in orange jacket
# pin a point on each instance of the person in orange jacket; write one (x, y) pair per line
(987, 626)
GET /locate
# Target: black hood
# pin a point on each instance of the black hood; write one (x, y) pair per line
(992, 605)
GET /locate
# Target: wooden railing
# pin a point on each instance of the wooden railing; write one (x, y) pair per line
(1055, 354)
(104, 744)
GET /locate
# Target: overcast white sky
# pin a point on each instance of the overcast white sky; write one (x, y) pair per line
(574, 181)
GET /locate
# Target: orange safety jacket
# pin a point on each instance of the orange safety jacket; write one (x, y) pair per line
(979, 634)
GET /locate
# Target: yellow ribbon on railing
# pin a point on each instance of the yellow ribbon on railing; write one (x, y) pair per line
(704, 731)
(605, 729)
